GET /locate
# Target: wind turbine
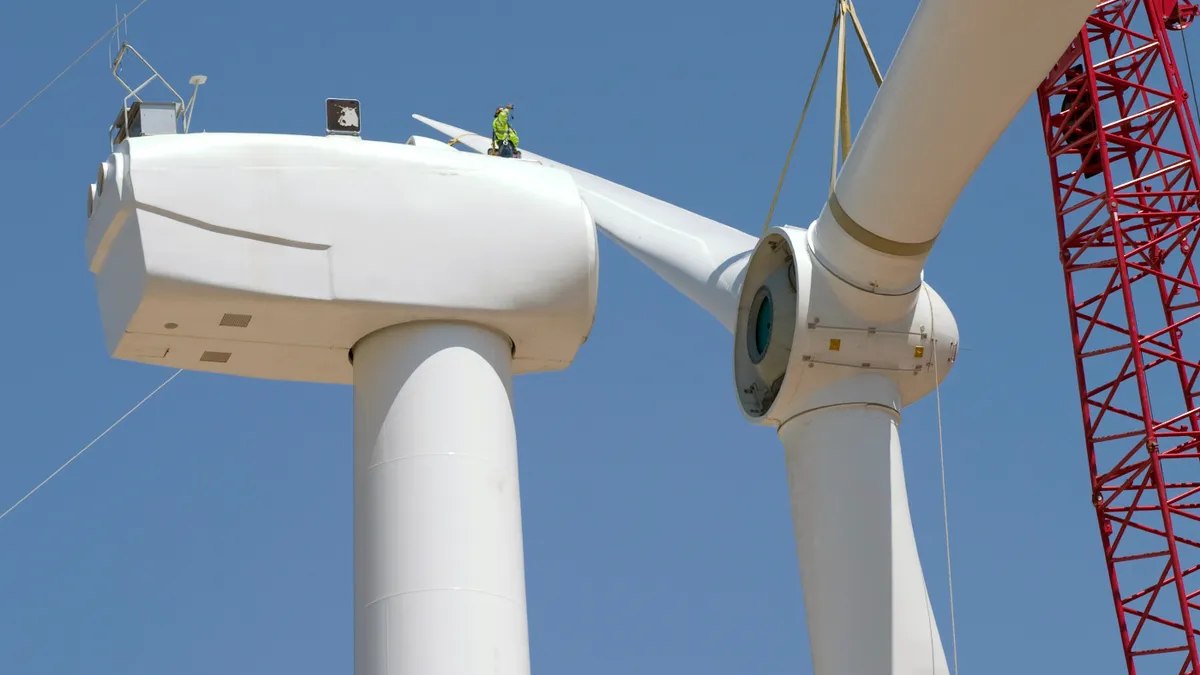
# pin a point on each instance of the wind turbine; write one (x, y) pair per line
(835, 330)
(424, 277)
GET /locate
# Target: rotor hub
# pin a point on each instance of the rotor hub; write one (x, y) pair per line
(804, 337)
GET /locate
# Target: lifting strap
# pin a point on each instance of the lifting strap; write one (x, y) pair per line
(843, 12)
(454, 140)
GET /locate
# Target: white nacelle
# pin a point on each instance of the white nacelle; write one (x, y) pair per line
(423, 142)
(803, 335)
(270, 256)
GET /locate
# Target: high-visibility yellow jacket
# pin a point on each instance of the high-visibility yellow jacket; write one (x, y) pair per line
(502, 130)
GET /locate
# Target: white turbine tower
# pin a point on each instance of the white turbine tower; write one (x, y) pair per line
(426, 278)
(835, 330)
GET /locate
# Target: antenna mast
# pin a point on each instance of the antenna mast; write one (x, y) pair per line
(140, 117)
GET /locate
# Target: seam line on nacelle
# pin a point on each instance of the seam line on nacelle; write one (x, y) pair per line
(866, 404)
(265, 238)
(393, 460)
(873, 291)
(244, 341)
(860, 366)
(434, 590)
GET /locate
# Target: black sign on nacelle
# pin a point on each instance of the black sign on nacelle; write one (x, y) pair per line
(342, 116)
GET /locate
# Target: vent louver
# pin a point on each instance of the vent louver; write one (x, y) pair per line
(236, 320)
(215, 357)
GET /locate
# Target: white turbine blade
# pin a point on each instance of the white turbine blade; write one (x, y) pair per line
(865, 596)
(963, 71)
(468, 138)
(701, 258)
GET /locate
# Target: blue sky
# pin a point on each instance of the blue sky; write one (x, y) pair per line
(211, 532)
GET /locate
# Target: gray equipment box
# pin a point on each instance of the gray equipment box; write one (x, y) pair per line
(146, 119)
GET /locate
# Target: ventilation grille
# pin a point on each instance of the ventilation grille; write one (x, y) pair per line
(236, 320)
(215, 357)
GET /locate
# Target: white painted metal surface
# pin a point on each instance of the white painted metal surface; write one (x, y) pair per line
(865, 599)
(837, 411)
(854, 333)
(443, 274)
(957, 81)
(424, 142)
(321, 240)
(826, 332)
(701, 258)
(439, 585)
(270, 256)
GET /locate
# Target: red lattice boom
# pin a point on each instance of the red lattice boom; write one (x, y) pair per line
(1122, 149)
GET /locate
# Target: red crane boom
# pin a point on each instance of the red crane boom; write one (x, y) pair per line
(1122, 149)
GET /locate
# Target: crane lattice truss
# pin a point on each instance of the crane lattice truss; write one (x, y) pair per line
(1122, 150)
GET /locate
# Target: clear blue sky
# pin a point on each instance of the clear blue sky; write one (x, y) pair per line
(211, 533)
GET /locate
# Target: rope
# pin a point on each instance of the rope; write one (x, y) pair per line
(807, 101)
(1187, 57)
(73, 63)
(454, 140)
(937, 388)
(841, 141)
(844, 8)
(841, 111)
(866, 47)
(94, 441)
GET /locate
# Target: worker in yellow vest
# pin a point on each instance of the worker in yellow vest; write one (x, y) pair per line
(504, 137)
